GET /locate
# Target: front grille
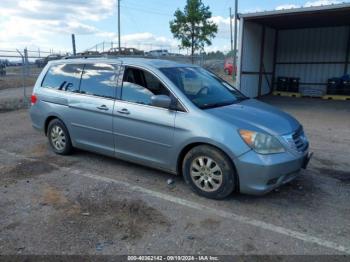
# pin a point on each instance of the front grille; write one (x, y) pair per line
(298, 140)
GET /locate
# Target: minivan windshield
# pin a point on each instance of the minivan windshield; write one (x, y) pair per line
(202, 87)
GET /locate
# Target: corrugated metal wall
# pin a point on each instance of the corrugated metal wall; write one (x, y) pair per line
(251, 47)
(311, 45)
(311, 76)
(250, 58)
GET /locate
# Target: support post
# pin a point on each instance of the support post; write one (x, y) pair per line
(119, 27)
(73, 45)
(231, 32)
(235, 42)
(347, 55)
(275, 52)
(24, 65)
(262, 50)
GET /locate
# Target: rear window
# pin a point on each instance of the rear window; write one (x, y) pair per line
(64, 77)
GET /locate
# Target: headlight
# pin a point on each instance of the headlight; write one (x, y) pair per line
(261, 143)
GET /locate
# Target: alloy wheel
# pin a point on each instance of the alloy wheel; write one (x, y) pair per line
(206, 174)
(58, 138)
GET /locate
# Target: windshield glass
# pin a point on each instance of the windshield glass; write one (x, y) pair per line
(202, 87)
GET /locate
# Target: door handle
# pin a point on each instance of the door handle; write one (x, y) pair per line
(103, 107)
(124, 111)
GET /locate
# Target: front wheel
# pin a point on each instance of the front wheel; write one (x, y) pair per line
(209, 172)
(59, 138)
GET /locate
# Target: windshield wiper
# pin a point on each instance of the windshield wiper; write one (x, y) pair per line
(242, 98)
(214, 105)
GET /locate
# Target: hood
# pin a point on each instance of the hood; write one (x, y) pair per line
(257, 116)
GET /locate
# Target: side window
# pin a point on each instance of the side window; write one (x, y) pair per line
(139, 86)
(63, 77)
(99, 79)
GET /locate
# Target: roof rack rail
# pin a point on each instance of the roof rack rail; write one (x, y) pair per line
(83, 56)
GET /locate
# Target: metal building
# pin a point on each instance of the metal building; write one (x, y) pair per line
(312, 44)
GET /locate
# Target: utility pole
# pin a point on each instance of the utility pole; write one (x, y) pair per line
(73, 44)
(119, 27)
(235, 42)
(231, 31)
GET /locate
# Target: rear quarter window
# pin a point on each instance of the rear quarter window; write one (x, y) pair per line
(64, 77)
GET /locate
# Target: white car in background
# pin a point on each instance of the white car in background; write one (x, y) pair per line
(157, 53)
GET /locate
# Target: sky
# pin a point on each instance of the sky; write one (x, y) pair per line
(48, 24)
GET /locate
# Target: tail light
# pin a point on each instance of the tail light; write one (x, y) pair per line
(33, 99)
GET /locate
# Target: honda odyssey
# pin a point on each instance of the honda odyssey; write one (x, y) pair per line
(174, 117)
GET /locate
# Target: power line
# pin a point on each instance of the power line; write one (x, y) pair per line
(131, 17)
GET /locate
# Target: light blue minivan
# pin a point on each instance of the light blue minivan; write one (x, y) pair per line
(175, 117)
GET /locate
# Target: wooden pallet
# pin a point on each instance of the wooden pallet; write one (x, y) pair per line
(336, 97)
(288, 94)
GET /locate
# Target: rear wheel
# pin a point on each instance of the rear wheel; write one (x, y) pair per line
(209, 172)
(59, 138)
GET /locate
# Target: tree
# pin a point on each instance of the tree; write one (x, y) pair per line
(231, 53)
(193, 26)
(215, 55)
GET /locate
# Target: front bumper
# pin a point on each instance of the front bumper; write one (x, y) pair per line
(260, 174)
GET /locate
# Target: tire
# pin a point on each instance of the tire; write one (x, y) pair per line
(59, 138)
(209, 172)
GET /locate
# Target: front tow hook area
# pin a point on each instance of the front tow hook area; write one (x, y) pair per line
(307, 160)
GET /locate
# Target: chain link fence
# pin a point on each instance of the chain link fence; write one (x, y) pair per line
(20, 66)
(213, 61)
(19, 69)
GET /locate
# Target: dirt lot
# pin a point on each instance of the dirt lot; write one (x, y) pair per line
(91, 204)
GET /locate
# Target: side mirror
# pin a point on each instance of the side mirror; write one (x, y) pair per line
(161, 101)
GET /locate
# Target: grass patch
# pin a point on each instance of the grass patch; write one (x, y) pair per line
(16, 82)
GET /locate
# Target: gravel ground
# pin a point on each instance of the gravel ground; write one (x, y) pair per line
(91, 204)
